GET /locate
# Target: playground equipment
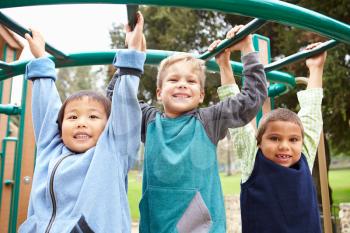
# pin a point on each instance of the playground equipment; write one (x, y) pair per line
(17, 150)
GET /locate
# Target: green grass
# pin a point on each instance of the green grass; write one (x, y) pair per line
(339, 180)
(340, 184)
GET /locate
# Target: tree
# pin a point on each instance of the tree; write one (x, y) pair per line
(176, 29)
(74, 79)
(287, 40)
(190, 30)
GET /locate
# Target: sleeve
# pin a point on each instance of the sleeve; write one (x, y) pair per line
(125, 118)
(238, 110)
(310, 114)
(243, 138)
(148, 114)
(46, 102)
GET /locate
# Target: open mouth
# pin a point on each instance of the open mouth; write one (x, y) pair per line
(81, 136)
(283, 157)
(181, 96)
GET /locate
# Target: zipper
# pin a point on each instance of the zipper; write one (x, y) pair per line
(52, 194)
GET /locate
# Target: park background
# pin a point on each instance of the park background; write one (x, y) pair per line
(180, 29)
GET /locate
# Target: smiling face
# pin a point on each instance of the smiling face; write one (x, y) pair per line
(181, 89)
(282, 142)
(83, 121)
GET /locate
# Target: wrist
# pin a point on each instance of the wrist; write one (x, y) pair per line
(247, 49)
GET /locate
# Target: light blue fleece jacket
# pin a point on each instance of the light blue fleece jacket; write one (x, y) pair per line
(90, 186)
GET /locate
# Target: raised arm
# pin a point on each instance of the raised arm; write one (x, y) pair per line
(45, 99)
(237, 111)
(310, 101)
(125, 116)
(243, 138)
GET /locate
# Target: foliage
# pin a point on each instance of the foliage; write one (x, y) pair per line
(175, 29)
(286, 40)
(189, 30)
(74, 79)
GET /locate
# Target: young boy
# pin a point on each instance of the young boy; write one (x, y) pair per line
(84, 147)
(181, 185)
(277, 191)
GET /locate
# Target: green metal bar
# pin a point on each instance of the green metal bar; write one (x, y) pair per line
(272, 76)
(154, 57)
(2, 158)
(301, 55)
(10, 109)
(248, 28)
(270, 10)
(14, 26)
(4, 65)
(18, 165)
(277, 89)
(132, 10)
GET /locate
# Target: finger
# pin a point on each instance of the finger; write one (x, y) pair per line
(127, 28)
(140, 21)
(28, 37)
(143, 45)
(213, 45)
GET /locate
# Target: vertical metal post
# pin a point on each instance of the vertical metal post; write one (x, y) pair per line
(327, 221)
(18, 165)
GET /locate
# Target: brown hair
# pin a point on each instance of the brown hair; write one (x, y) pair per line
(79, 95)
(279, 114)
(198, 66)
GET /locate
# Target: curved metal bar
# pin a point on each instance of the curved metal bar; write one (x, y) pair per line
(301, 55)
(132, 10)
(250, 27)
(270, 10)
(4, 65)
(10, 109)
(154, 57)
(17, 28)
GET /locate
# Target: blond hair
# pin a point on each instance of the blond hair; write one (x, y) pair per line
(279, 114)
(197, 65)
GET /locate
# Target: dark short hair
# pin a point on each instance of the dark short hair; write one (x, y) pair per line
(79, 95)
(279, 114)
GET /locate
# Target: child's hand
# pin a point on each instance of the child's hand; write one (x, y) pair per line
(315, 62)
(135, 39)
(223, 58)
(36, 43)
(245, 45)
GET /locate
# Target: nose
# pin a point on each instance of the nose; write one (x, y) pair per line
(182, 84)
(283, 145)
(81, 123)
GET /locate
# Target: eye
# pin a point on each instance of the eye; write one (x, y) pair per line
(94, 117)
(72, 117)
(274, 138)
(294, 139)
(172, 79)
(192, 81)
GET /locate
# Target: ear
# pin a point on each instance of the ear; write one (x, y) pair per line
(159, 94)
(202, 95)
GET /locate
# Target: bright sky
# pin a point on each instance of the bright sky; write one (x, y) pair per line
(71, 28)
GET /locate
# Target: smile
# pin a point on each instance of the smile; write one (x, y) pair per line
(283, 156)
(181, 96)
(81, 136)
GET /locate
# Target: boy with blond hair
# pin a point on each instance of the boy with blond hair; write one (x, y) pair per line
(181, 185)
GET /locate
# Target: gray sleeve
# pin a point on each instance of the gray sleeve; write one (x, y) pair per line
(148, 114)
(237, 111)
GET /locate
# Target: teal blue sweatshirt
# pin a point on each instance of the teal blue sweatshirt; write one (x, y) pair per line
(89, 188)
